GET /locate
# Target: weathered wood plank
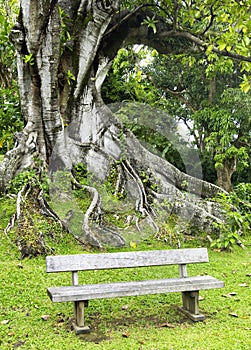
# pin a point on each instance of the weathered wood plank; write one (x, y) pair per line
(79, 262)
(120, 289)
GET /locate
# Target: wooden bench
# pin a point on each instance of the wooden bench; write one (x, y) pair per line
(81, 294)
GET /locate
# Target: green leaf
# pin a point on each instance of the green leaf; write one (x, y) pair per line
(29, 59)
(222, 45)
(246, 84)
(209, 49)
(151, 23)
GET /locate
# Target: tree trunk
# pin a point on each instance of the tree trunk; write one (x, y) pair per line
(224, 174)
(63, 55)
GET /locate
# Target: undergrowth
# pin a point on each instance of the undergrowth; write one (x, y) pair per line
(236, 226)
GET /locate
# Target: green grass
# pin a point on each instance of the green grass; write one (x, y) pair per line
(29, 320)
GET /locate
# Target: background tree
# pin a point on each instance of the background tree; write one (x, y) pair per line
(10, 113)
(8, 12)
(212, 107)
(228, 128)
(64, 50)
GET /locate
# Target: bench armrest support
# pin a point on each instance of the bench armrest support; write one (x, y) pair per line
(183, 270)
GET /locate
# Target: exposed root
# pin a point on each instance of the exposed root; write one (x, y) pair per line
(120, 183)
(142, 204)
(46, 210)
(20, 199)
(44, 207)
(190, 210)
(95, 236)
(240, 243)
(95, 204)
(29, 241)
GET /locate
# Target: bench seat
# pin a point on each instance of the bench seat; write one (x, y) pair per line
(121, 289)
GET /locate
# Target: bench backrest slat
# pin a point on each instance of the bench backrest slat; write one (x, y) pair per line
(79, 262)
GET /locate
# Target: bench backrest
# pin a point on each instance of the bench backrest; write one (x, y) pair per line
(80, 262)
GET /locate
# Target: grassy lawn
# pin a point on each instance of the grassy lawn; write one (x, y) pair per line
(29, 320)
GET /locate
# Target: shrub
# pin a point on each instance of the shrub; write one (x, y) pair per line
(237, 207)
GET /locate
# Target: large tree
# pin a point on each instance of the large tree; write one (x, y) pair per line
(64, 50)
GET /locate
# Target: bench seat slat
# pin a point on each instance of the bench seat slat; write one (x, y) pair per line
(120, 289)
(78, 262)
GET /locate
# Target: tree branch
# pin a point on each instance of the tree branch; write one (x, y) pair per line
(176, 5)
(127, 28)
(203, 44)
(125, 18)
(179, 96)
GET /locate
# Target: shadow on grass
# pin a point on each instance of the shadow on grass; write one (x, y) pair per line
(102, 325)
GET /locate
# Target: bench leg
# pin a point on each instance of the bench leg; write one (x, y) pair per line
(190, 307)
(79, 325)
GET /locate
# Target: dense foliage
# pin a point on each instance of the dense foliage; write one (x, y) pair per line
(10, 114)
(237, 206)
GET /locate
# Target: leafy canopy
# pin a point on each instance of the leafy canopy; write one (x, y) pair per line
(220, 28)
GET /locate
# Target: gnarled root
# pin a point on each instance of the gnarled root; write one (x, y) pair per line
(96, 233)
(30, 241)
(142, 204)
